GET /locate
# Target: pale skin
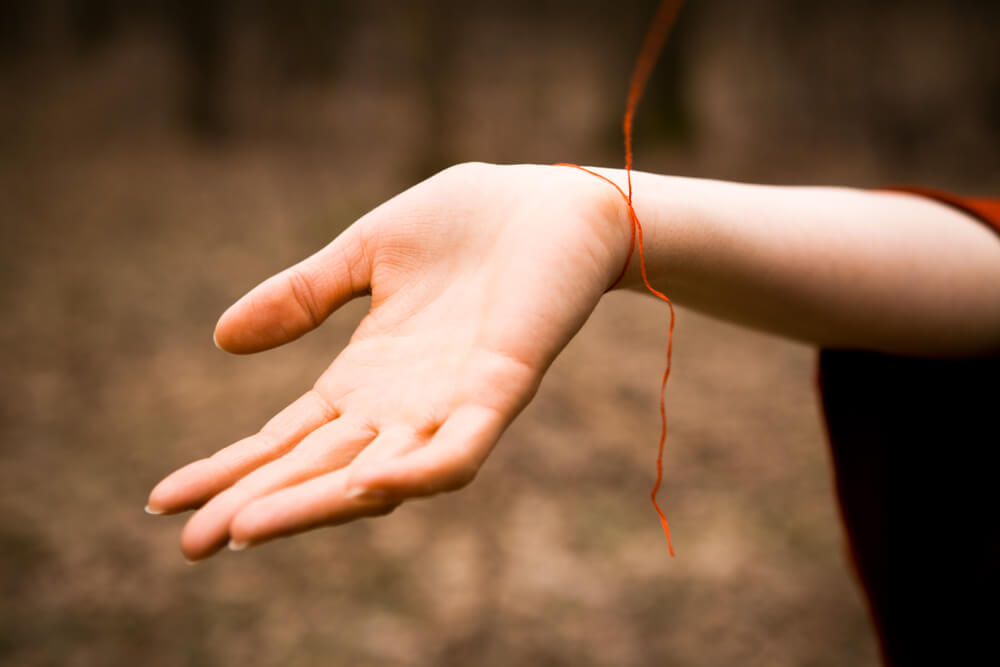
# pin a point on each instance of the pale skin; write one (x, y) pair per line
(481, 275)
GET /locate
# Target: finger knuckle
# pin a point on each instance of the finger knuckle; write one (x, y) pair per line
(302, 291)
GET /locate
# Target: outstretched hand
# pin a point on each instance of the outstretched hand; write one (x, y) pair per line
(478, 278)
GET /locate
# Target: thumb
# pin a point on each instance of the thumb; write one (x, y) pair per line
(298, 299)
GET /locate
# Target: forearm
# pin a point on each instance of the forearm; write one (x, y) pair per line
(831, 266)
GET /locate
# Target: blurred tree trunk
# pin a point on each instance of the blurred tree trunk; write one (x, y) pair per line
(435, 32)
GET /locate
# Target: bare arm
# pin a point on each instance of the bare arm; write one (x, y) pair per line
(832, 266)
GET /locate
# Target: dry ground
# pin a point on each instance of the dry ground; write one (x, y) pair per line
(114, 275)
(554, 555)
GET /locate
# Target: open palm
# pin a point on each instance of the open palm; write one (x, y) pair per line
(478, 277)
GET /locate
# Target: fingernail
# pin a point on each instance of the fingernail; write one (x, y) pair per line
(189, 561)
(237, 545)
(216, 341)
(150, 510)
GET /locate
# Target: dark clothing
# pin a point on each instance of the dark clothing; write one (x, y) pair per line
(936, 424)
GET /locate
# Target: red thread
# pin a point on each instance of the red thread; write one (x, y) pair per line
(653, 43)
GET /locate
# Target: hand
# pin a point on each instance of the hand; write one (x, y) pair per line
(478, 277)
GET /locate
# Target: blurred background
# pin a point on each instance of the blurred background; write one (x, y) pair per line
(158, 158)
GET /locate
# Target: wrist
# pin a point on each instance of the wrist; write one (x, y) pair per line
(673, 214)
(604, 213)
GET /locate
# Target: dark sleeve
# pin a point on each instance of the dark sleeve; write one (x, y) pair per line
(932, 426)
